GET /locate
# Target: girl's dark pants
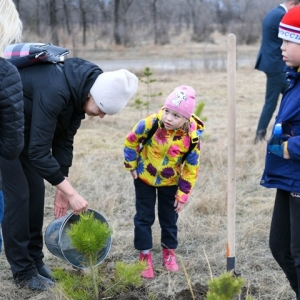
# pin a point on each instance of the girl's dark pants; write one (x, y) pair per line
(145, 215)
(24, 193)
(285, 236)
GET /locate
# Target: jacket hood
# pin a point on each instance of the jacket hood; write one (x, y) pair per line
(81, 75)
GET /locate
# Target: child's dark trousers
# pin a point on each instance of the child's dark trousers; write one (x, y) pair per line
(285, 236)
(145, 215)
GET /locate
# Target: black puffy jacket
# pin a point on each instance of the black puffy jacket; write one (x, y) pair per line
(53, 107)
(11, 112)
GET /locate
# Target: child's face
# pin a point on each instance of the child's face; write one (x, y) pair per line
(290, 53)
(172, 120)
(91, 109)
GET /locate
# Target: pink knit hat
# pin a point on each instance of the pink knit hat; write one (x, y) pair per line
(182, 100)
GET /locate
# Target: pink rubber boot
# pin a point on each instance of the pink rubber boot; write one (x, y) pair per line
(147, 258)
(169, 260)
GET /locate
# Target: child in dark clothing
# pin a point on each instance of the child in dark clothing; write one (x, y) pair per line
(282, 168)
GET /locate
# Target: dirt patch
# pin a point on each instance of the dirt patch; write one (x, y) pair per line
(197, 292)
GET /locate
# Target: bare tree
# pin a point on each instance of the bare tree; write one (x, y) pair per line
(67, 16)
(53, 22)
(160, 34)
(38, 25)
(224, 14)
(248, 23)
(117, 34)
(127, 22)
(155, 25)
(201, 24)
(121, 32)
(83, 15)
(103, 8)
(127, 34)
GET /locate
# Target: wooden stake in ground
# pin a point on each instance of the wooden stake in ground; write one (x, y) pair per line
(231, 190)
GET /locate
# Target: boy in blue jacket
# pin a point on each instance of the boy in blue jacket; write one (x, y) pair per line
(282, 168)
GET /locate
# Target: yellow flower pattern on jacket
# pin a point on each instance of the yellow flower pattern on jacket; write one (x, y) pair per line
(159, 161)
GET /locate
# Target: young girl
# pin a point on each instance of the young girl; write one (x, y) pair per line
(158, 167)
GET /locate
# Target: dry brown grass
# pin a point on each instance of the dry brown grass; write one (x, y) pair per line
(98, 174)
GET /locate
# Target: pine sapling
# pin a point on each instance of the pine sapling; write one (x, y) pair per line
(89, 235)
(126, 276)
(148, 80)
(226, 287)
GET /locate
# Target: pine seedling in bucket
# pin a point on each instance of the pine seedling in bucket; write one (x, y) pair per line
(89, 235)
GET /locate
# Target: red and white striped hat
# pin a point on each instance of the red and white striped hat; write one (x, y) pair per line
(289, 27)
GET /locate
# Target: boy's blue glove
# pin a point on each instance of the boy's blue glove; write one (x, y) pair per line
(280, 150)
(276, 149)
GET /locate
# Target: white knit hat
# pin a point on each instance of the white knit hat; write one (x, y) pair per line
(112, 90)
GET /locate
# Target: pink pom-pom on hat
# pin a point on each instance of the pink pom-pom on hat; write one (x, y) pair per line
(182, 101)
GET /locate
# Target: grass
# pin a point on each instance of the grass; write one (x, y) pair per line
(99, 176)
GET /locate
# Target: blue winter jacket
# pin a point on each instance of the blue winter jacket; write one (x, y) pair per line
(279, 172)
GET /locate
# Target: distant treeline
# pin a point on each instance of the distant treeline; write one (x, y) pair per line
(128, 22)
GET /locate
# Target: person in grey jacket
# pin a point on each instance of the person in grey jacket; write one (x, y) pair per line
(11, 97)
(269, 60)
(56, 100)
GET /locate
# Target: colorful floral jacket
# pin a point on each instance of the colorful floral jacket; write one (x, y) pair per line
(159, 161)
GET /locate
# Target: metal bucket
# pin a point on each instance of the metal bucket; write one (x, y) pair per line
(59, 244)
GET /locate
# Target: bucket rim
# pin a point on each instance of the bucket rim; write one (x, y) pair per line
(108, 244)
(68, 217)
